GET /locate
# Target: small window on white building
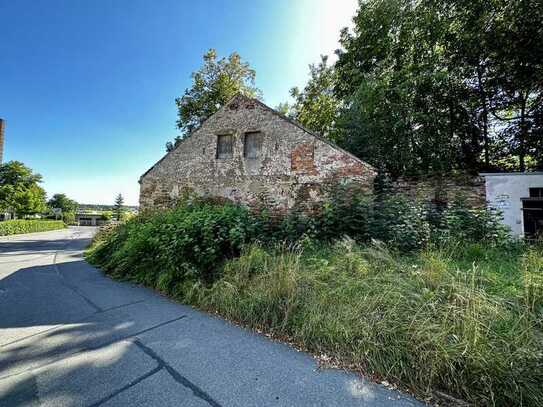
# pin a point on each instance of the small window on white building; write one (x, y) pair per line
(225, 146)
(536, 192)
(252, 144)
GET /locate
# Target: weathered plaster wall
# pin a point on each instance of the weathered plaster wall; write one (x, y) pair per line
(292, 168)
(504, 192)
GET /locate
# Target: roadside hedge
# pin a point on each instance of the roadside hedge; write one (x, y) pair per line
(19, 226)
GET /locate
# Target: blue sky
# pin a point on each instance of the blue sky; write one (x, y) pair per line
(87, 88)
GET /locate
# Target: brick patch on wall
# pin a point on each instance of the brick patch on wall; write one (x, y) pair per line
(302, 159)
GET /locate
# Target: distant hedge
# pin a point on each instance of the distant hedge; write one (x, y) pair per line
(17, 226)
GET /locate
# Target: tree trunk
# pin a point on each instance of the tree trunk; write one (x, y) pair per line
(523, 135)
(482, 95)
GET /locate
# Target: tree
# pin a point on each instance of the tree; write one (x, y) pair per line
(285, 109)
(517, 75)
(316, 106)
(69, 218)
(214, 84)
(118, 207)
(62, 202)
(107, 215)
(437, 86)
(399, 96)
(20, 192)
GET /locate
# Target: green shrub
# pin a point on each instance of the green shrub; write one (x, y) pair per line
(532, 275)
(399, 222)
(391, 218)
(68, 218)
(106, 215)
(459, 222)
(361, 216)
(186, 243)
(19, 226)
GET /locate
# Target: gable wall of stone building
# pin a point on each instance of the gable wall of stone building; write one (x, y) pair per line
(293, 167)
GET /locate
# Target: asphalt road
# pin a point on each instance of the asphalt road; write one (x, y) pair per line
(69, 336)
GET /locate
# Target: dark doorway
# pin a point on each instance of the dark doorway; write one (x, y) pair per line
(85, 222)
(532, 209)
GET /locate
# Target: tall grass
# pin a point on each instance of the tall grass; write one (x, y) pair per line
(420, 321)
(532, 274)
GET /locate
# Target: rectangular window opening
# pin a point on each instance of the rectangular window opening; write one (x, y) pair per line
(224, 146)
(536, 192)
(252, 144)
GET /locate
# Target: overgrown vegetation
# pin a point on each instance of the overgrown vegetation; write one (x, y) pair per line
(19, 226)
(66, 206)
(431, 321)
(436, 301)
(186, 244)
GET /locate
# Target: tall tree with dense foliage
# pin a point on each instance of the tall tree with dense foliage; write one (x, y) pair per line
(517, 74)
(61, 201)
(316, 106)
(20, 192)
(436, 86)
(214, 84)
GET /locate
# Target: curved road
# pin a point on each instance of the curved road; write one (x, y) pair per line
(69, 336)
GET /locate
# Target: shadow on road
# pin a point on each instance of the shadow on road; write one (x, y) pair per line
(53, 334)
(7, 247)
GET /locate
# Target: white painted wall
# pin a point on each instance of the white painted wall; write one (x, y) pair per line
(504, 191)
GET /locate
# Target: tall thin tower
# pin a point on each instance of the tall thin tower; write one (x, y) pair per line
(2, 126)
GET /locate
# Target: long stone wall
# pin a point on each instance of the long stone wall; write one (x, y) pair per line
(465, 187)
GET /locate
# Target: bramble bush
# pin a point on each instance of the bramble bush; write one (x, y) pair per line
(19, 226)
(390, 218)
(185, 243)
(460, 223)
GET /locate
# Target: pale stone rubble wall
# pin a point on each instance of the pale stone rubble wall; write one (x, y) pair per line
(292, 168)
(470, 189)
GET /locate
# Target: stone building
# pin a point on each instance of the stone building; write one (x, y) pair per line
(250, 153)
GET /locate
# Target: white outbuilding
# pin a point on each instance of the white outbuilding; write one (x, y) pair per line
(519, 196)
